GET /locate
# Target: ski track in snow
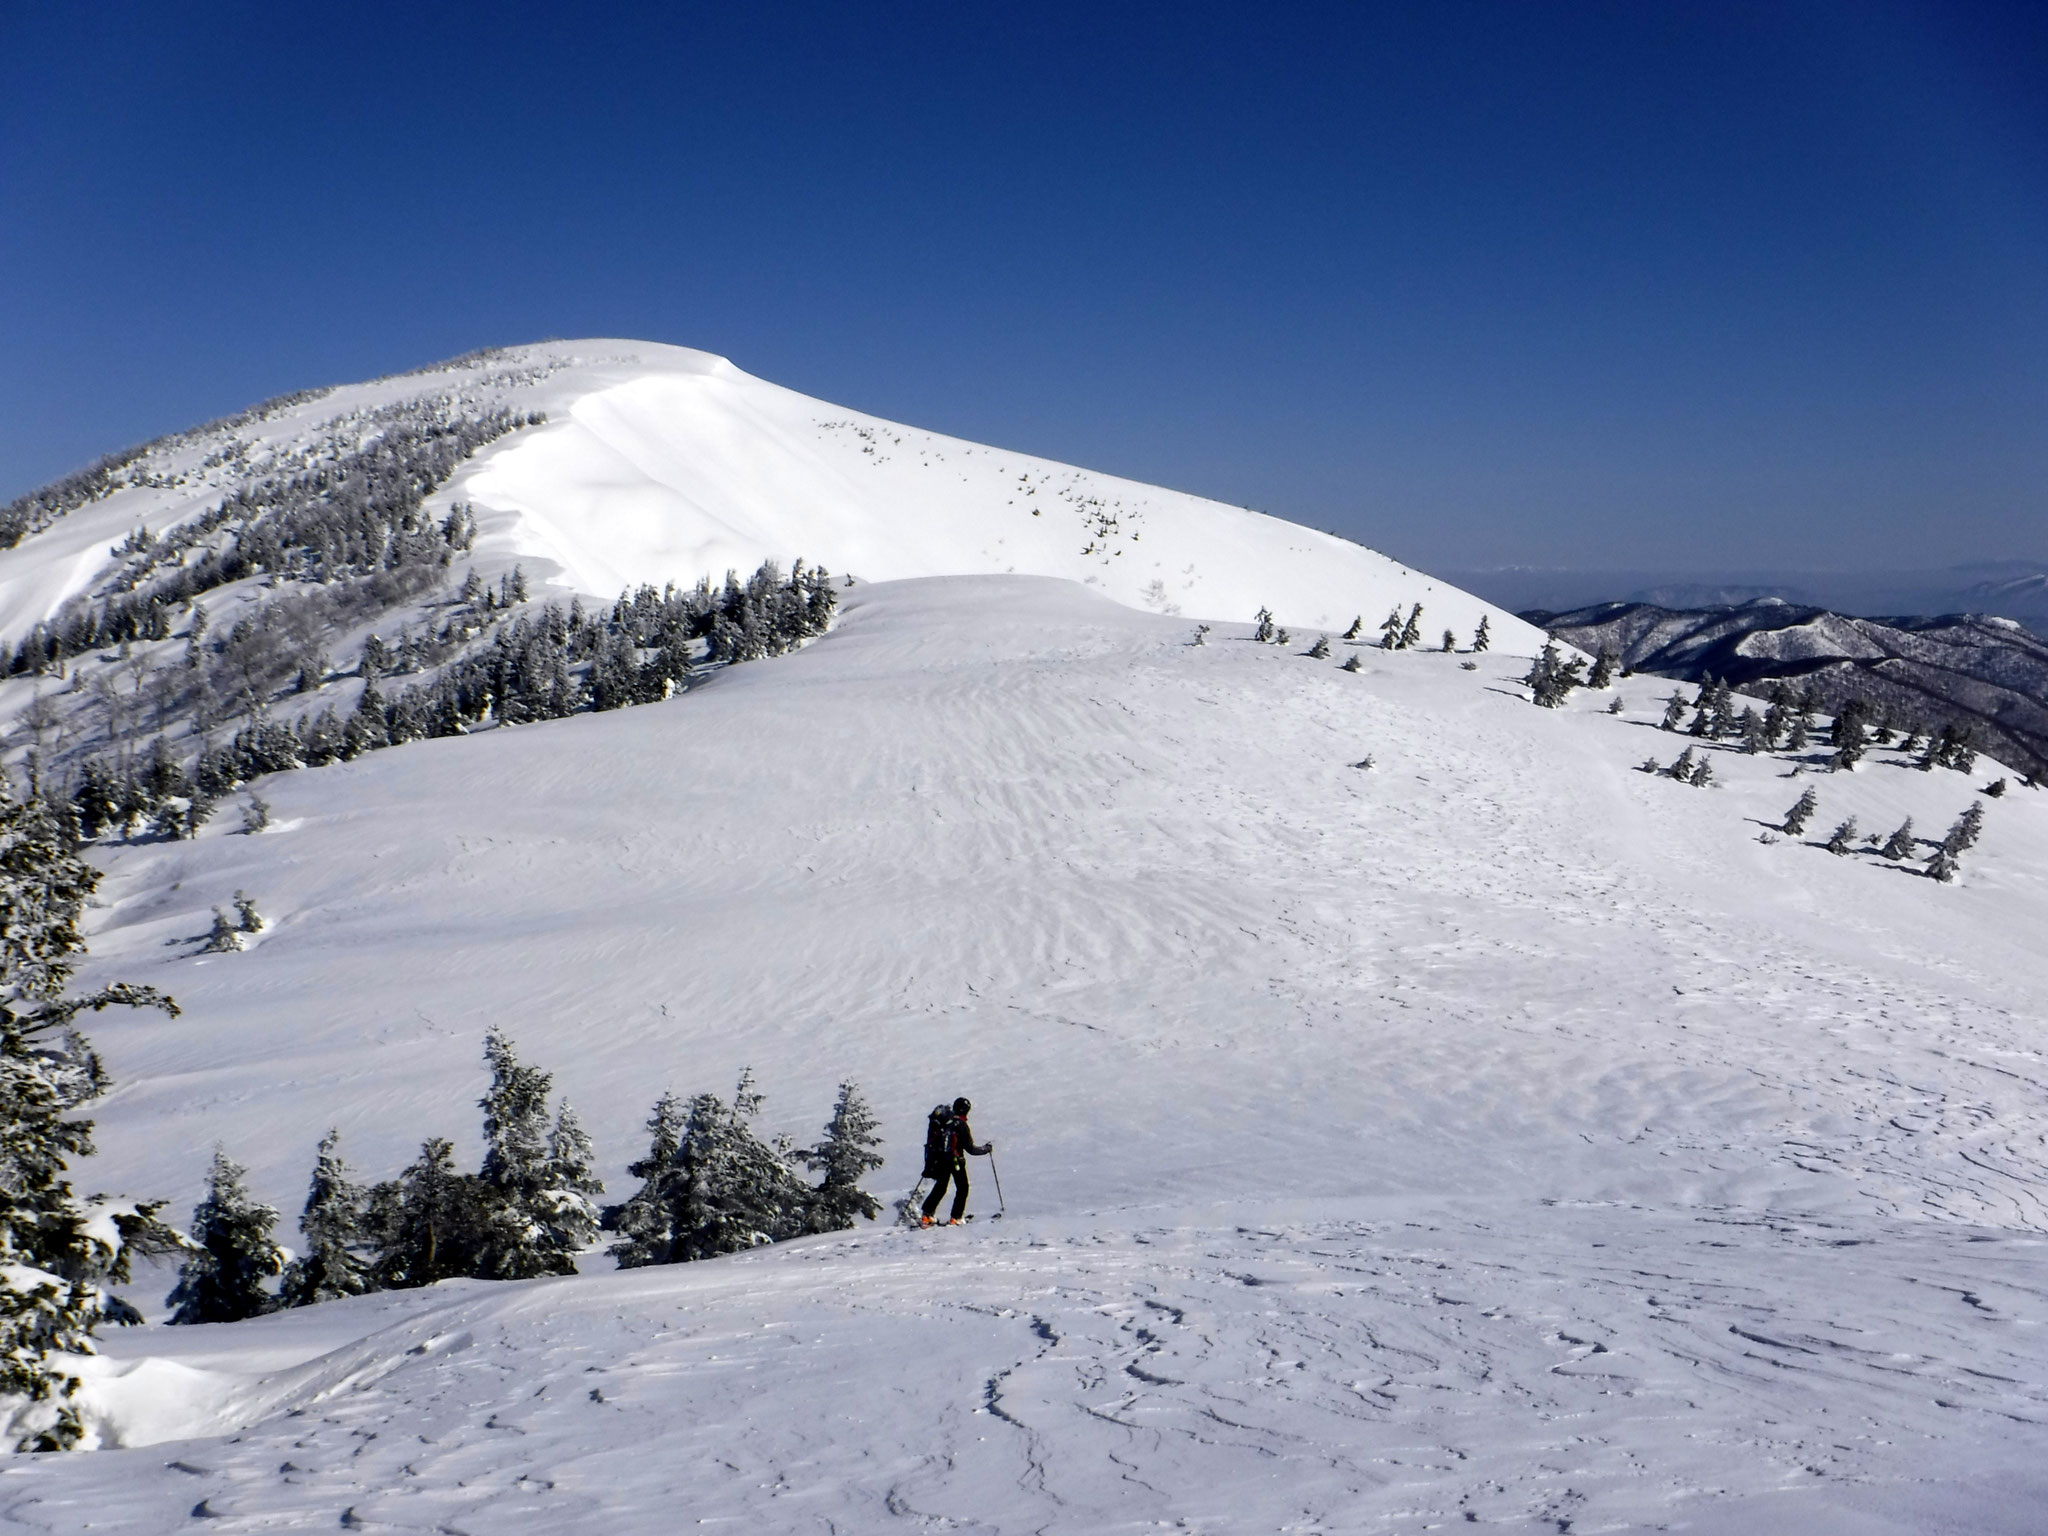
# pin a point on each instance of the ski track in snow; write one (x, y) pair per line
(1499, 1135)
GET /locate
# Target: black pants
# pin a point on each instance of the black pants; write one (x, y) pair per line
(958, 1174)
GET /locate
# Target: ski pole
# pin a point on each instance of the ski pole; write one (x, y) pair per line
(1001, 1204)
(910, 1201)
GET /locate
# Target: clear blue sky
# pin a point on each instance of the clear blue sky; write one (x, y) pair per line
(1644, 284)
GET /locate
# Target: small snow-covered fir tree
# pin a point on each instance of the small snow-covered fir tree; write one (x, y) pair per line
(1943, 863)
(1702, 774)
(255, 814)
(567, 1208)
(1450, 642)
(1682, 770)
(1900, 844)
(1550, 679)
(1357, 628)
(1801, 813)
(1615, 706)
(1602, 675)
(1751, 729)
(1996, 789)
(332, 1224)
(247, 918)
(1674, 711)
(520, 1172)
(58, 1252)
(232, 1256)
(1842, 840)
(645, 1221)
(1411, 631)
(225, 937)
(1482, 637)
(1321, 649)
(845, 1157)
(1962, 836)
(1262, 627)
(1283, 636)
(1390, 629)
(434, 1222)
(1352, 664)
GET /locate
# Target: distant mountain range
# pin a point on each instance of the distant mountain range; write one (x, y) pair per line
(2009, 589)
(1989, 674)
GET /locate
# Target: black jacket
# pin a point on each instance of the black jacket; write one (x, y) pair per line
(947, 1142)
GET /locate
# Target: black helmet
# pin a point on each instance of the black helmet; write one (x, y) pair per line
(961, 1106)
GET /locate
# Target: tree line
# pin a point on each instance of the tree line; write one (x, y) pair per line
(709, 1186)
(558, 662)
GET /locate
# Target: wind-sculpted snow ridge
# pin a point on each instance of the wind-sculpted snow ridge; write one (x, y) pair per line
(1494, 1131)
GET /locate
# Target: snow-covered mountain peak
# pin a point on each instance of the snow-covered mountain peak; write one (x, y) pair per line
(665, 464)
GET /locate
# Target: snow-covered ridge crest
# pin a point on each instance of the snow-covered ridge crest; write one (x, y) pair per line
(662, 463)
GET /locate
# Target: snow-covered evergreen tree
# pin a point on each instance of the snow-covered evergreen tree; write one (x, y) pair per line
(1357, 628)
(722, 1189)
(1321, 649)
(1962, 836)
(332, 1223)
(1942, 864)
(1482, 637)
(1674, 711)
(1801, 812)
(1450, 642)
(1900, 844)
(232, 1257)
(645, 1221)
(1262, 627)
(1411, 631)
(1702, 774)
(58, 1252)
(1602, 675)
(1843, 839)
(845, 1157)
(247, 918)
(1751, 729)
(225, 937)
(1682, 769)
(539, 1220)
(1352, 663)
(434, 1222)
(567, 1208)
(1390, 629)
(1550, 679)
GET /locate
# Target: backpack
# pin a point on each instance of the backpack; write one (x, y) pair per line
(938, 1141)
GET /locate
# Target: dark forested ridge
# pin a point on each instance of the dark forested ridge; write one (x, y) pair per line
(1986, 675)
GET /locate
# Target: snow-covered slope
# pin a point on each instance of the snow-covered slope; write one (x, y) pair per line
(1496, 1134)
(661, 464)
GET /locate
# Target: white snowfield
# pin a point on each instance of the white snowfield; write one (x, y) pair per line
(1497, 1135)
(662, 464)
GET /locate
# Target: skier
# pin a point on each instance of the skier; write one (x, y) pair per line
(948, 1142)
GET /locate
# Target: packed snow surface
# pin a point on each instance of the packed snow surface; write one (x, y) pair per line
(1496, 1134)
